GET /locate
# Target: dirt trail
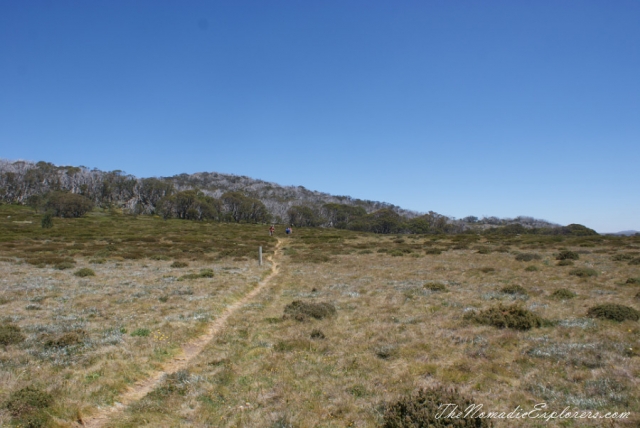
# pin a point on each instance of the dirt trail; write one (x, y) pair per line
(188, 352)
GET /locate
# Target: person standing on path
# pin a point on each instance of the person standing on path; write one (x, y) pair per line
(271, 230)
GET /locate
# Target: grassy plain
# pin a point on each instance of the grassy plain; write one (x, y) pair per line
(402, 322)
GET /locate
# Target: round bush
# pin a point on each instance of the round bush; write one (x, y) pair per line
(10, 334)
(178, 264)
(563, 294)
(614, 312)
(514, 289)
(567, 255)
(84, 272)
(565, 263)
(532, 268)
(501, 316)
(435, 286)
(300, 310)
(527, 257)
(425, 408)
(583, 272)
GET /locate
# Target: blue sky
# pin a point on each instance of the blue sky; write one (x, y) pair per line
(500, 108)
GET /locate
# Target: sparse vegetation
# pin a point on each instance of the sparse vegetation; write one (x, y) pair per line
(435, 286)
(387, 333)
(532, 268)
(565, 263)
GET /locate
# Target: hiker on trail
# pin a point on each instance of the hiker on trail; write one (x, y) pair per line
(287, 231)
(271, 230)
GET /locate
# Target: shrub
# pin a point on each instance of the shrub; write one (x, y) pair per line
(633, 281)
(178, 264)
(435, 286)
(84, 272)
(565, 263)
(622, 257)
(563, 294)
(532, 268)
(64, 340)
(386, 352)
(483, 250)
(204, 273)
(27, 407)
(159, 257)
(300, 311)
(434, 251)
(527, 257)
(500, 316)
(583, 272)
(635, 261)
(64, 265)
(10, 334)
(47, 221)
(317, 334)
(487, 269)
(614, 312)
(567, 255)
(514, 289)
(421, 409)
(141, 332)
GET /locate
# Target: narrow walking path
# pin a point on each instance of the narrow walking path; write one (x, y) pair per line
(188, 352)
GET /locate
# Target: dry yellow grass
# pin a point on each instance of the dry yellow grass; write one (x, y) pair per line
(395, 330)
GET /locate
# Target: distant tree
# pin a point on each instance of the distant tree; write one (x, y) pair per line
(62, 204)
(190, 205)
(342, 215)
(243, 209)
(304, 216)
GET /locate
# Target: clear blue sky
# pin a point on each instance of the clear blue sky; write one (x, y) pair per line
(498, 108)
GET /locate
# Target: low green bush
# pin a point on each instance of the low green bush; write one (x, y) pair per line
(563, 294)
(64, 340)
(635, 261)
(614, 312)
(427, 407)
(633, 281)
(514, 289)
(141, 332)
(435, 286)
(84, 272)
(527, 257)
(567, 255)
(532, 268)
(28, 407)
(301, 311)
(565, 263)
(583, 272)
(64, 265)
(433, 251)
(179, 264)
(514, 317)
(10, 334)
(317, 334)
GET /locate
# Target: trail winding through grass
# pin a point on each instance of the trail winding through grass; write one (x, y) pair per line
(188, 352)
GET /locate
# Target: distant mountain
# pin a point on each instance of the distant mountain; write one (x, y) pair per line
(625, 233)
(217, 196)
